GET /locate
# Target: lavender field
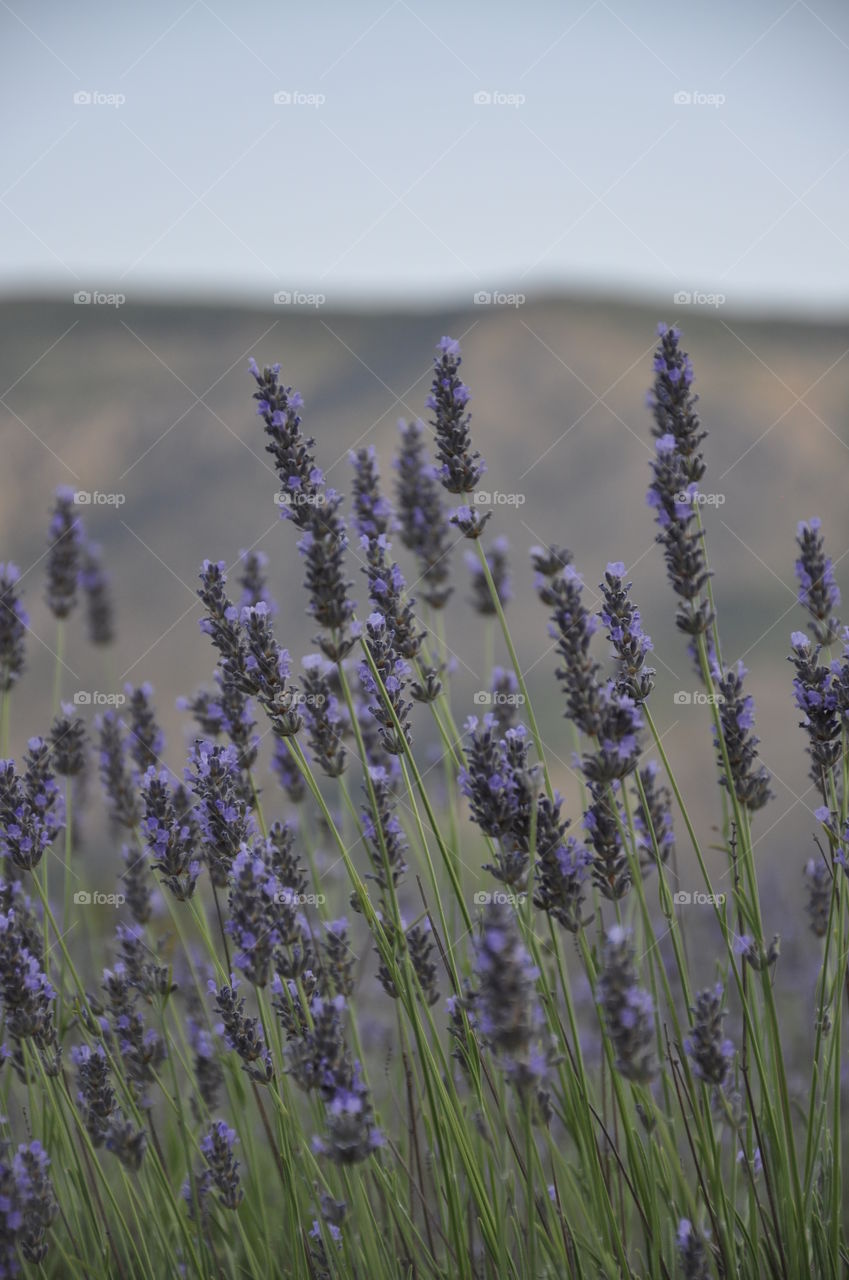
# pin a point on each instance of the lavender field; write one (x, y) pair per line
(426, 909)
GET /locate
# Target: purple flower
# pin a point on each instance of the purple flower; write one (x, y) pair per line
(422, 525)
(818, 591)
(14, 621)
(63, 555)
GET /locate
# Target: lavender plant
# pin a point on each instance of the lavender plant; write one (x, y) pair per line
(501, 1060)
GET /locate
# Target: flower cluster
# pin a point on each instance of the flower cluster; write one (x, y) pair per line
(737, 715)
(63, 555)
(31, 811)
(14, 621)
(422, 525)
(818, 591)
(628, 1010)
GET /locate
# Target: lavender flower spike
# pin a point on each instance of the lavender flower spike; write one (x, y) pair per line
(818, 591)
(460, 467)
(628, 1010)
(422, 524)
(13, 624)
(63, 555)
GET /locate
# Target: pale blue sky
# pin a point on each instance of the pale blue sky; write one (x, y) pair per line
(398, 185)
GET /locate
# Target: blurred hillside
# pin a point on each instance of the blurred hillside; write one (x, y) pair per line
(153, 402)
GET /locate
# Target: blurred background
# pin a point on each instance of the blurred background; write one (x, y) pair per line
(336, 186)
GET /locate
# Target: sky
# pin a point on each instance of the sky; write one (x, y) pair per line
(396, 151)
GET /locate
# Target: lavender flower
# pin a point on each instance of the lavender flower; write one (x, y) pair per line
(243, 1034)
(146, 740)
(387, 592)
(257, 912)
(288, 774)
(384, 835)
(573, 627)
(222, 813)
(625, 633)
(136, 881)
(674, 405)
(26, 994)
(817, 696)
(221, 1169)
(98, 595)
(171, 835)
(818, 591)
(67, 743)
(422, 525)
(560, 876)
(14, 621)
(96, 1097)
(126, 1142)
(37, 1202)
(420, 946)
(481, 598)
(313, 507)
(505, 698)
(142, 1050)
(139, 963)
(118, 782)
(506, 1009)
(603, 822)
(736, 710)
(372, 514)
(819, 883)
(322, 716)
(691, 1252)
(548, 562)
(653, 819)
(628, 1010)
(712, 1055)
(460, 468)
(30, 807)
(393, 672)
(252, 580)
(63, 555)
(340, 959)
(208, 1073)
(351, 1134)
